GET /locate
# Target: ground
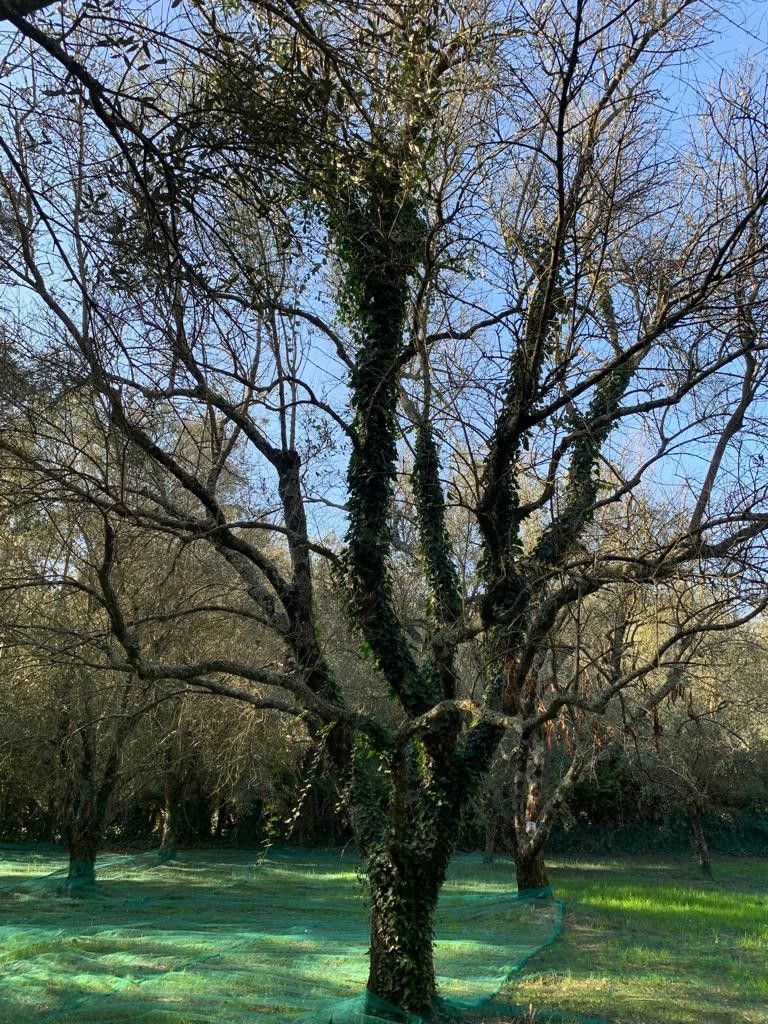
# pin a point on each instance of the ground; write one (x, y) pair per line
(226, 938)
(652, 941)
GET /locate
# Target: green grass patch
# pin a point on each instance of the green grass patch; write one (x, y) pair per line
(651, 941)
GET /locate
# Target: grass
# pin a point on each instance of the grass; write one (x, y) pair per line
(217, 939)
(651, 941)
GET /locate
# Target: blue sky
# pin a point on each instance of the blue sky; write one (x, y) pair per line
(748, 29)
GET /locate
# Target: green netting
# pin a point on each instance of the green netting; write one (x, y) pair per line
(217, 939)
(27, 869)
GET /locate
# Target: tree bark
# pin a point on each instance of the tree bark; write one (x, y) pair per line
(527, 840)
(700, 841)
(404, 891)
(83, 848)
(168, 844)
(530, 868)
(408, 831)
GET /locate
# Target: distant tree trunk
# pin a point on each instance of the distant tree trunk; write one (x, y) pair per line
(168, 842)
(85, 766)
(195, 822)
(171, 814)
(83, 844)
(86, 804)
(187, 809)
(490, 841)
(530, 868)
(82, 828)
(224, 819)
(700, 840)
(492, 822)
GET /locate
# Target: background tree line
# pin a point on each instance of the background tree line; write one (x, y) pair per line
(179, 767)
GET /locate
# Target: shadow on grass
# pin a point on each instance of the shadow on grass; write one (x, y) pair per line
(231, 941)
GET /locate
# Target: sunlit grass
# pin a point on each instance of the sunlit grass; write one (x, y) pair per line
(654, 942)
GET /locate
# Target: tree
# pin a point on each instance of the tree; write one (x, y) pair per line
(313, 236)
(611, 642)
(71, 576)
(706, 749)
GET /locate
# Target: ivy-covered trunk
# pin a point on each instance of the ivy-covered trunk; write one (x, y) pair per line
(406, 806)
(408, 790)
(404, 887)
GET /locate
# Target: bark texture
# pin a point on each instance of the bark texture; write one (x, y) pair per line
(530, 869)
(83, 848)
(700, 841)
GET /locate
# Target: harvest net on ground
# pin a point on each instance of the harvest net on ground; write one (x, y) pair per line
(225, 939)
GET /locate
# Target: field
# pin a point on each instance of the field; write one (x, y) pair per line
(218, 938)
(650, 941)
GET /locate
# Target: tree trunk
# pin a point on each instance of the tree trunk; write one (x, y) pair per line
(490, 841)
(82, 827)
(700, 841)
(528, 842)
(87, 801)
(83, 847)
(187, 812)
(530, 868)
(171, 813)
(224, 820)
(404, 890)
(407, 854)
(168, 845)
(492, 826)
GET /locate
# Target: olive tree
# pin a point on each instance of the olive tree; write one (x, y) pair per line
(336, 243)
(705, 749)
(71, 576)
